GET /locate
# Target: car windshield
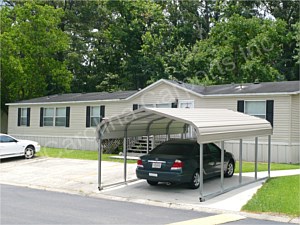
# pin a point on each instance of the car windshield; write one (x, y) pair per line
(173, 149)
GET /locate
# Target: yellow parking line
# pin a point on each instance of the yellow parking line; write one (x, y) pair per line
(211, 220)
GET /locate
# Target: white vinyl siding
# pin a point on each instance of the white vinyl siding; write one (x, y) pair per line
(295, 121)
(162, 94)
(282, 108)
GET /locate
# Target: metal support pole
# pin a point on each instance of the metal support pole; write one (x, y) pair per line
(222, 166)
(240, 161)
(185, 131)
(168, 130)
(147, 143)
(125, 156)
(99, 165)
(255, 157)
(201, 198)
(269, 156)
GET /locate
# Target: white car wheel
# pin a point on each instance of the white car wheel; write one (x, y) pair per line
(230, 169)
(195, 183)
(29, 152)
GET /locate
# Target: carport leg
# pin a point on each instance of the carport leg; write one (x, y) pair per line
(256, 150)
(125, 156)
(147, 143)
(99, 165)
(168, 130)
(222, 166)
(269, 156)
(240, 161)
(201, 198)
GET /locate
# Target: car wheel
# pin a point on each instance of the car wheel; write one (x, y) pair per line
(195, 182)
(29, 152)
(152, 182)
(230, 169)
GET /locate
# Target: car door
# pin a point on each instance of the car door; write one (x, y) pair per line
(209, 161)
(9, 146)
(215, 154)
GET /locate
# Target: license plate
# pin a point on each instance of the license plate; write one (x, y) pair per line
(156, 165)
(152, 174)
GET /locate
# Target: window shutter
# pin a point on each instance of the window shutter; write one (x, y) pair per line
(28, 117)
(102, 112)
(174, 104)
(270, 111)
(19, 117)
(88, 116)
(68, 117)
(135, 107)
(41, 116)
(240, 105)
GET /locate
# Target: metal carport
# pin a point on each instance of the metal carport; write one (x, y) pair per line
(210, 125)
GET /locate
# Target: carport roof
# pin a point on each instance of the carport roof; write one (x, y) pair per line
(210, 124)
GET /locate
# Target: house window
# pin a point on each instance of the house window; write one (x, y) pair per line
(263, 109)
(58, 117)
(24, 117)
(256, 108)
(48, 117)
(164, 105)
(160, 105)
(95, 116)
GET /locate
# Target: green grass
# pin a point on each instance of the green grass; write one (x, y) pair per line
(93, 155)
(76, 154)
(249, 166)
(280, 195)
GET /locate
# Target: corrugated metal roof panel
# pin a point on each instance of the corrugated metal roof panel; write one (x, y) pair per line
(210, 124)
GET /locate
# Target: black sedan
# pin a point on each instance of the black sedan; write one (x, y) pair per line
(177, 161)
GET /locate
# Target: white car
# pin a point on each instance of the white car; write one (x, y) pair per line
(12, 147)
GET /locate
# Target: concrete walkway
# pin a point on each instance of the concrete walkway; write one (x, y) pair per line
(80, 177)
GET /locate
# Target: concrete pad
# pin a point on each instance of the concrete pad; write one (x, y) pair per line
(68, 175)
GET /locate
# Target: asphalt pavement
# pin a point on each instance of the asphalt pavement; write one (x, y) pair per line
(20, 205)
(80, 177)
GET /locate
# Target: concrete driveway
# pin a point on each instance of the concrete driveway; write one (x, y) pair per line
(80, 177)
(65, 175)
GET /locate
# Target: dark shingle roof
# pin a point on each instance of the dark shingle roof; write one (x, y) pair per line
(227, 89)
(81, 97)
(248, 88)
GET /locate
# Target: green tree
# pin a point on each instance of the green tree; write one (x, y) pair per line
(31, 43)
(297, 39)
(130, 21)
(240, 50)
(289, 12)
